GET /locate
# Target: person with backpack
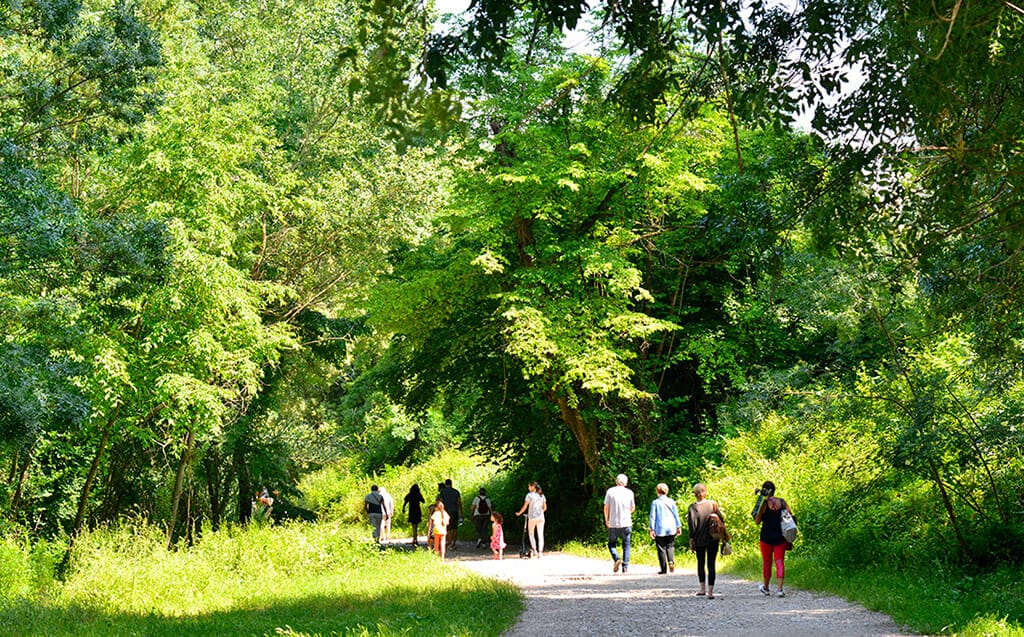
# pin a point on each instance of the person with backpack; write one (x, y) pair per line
(480, 510)
(773, 542)
(665, 526)
(706, 525)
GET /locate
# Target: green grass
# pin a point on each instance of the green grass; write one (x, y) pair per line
(928, 598)
(314, 580)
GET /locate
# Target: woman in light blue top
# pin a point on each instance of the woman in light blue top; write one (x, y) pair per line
(665, 526)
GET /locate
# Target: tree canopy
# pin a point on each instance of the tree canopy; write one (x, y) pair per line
(239, 242)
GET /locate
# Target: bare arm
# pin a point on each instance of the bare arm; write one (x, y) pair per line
(760, 512)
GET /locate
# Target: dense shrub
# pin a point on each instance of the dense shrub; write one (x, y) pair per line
(336, 492)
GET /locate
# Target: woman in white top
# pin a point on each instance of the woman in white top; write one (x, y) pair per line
(535, 505)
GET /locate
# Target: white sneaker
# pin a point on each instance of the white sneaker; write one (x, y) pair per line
(764, 589)
(780, 593)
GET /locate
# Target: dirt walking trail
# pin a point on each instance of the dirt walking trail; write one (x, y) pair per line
(568, 595)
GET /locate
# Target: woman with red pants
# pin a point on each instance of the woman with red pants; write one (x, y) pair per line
(773, 543)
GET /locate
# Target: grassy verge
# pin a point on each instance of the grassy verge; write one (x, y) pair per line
(926, 598)
(310, 581)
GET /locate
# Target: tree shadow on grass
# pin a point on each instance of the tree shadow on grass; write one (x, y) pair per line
(427, 613)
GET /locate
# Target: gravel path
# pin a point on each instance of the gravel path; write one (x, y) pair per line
(568, 595)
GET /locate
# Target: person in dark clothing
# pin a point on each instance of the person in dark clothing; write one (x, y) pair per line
(414, 501)
(373, 503)
(453, 506)
(481, 510)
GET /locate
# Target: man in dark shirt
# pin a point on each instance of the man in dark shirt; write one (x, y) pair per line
(453, 506)
(374, 505)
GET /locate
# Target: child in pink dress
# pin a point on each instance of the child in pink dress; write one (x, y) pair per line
(497, 536)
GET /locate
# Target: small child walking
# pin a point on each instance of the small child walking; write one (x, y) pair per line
(430, 526)
(441, 519)
(497, 536)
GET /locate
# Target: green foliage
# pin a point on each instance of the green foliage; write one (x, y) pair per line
(337, 491)
(871, 529)
(26, 566)
(74, 79)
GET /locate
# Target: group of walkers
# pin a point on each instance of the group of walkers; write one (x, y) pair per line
(705, 523)
(445, 513)
(442, 523)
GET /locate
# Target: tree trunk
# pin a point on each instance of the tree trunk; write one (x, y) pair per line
(90, 477)
(22, 473)
(245, 491)
(186, 456)
(948, 504)
(15, 464)
(212, 469)
(585, 438)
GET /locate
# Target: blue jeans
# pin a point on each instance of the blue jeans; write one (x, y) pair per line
(624, 532)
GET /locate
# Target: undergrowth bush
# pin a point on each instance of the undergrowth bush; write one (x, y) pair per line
(868, 530)
(336, 492)
(26, 566)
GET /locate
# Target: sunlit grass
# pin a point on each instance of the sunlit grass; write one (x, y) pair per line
(300, 580)
(929, 599)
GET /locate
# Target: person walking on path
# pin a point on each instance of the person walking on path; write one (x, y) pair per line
(619, 505)
(480, 510)
(535, 504)
(497, 536)
(773, 543)
(387, 514)
(453, 506)
(374, 505)
(440, 521)
(665, 526)
(414, 500)
(704, 519)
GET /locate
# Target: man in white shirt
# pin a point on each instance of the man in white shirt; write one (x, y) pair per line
(619, 505)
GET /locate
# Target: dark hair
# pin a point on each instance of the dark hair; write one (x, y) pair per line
(536, 487)
(500, 519)
(415, 488)
(483, 491)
